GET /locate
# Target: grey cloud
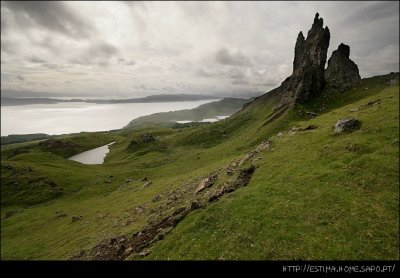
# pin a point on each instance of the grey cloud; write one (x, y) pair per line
(236, 73)
(37, 60)
(240, 82)
(20, 77)
(7, 46)
(204, 72)
(51, 15)
(221, 47)
(235, 58)
(122, 61)
(102, 49)
(374, 11)
(98, 53)
(50, 66)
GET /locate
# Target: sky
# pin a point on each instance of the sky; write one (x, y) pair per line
(134, 49)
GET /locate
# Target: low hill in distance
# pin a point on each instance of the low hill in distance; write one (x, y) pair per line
(224, 107)
(12, 101)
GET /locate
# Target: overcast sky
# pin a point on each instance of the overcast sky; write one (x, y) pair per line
(133, 49)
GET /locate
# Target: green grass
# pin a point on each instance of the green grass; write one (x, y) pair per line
(315, 196)
(224, 107)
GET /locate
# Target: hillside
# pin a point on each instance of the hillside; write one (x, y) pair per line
(308, 170)
(11, 139)
(224, 107)
(309, 187)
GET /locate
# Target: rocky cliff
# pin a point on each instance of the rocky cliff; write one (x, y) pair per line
(309, 76)
(342, 73)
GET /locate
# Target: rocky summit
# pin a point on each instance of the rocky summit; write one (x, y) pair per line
(309, 75)
(342, 73)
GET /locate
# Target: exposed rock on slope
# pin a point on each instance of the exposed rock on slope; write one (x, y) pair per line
(342, 73)
(309, 75)
(299, 51)
(309, 63)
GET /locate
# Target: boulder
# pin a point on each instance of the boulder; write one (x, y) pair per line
(206, 182)
(265, 145)
(347, 124)
(342, 73)
(144, 253)
(147, 184)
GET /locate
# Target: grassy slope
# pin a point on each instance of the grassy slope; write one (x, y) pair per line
(224, 107)
(315, 196)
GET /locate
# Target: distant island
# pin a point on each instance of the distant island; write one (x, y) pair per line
(13, 101)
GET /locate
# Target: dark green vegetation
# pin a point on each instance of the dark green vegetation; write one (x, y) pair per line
(313, 194)
(224, 107)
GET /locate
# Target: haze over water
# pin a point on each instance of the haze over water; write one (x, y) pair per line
(74, 117)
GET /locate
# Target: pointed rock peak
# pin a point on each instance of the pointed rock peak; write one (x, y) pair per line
(344, 50)
(318, 21)
(309, 62)
(342, 73)
(299, 51)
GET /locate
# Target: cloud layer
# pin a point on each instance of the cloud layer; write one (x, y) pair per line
(132, 49)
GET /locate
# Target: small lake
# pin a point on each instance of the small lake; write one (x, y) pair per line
(94, 156)
(208, 120)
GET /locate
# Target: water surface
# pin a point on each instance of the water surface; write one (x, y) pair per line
(93, 156)
(208, 120)
(62, 118)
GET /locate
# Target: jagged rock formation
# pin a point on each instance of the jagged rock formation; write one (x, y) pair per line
(307, 79)
(342, 73)
(299, 51)
(309, 76)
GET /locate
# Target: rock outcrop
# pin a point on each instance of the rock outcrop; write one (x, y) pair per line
(342, 73)
(309, 76)
(307, 79)
(346, 125)
(299, 51)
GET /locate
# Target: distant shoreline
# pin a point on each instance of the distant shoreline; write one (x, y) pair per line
(9, 101)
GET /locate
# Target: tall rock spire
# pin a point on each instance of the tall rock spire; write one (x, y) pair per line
(342, 73)
(308, 67)
(299, 50)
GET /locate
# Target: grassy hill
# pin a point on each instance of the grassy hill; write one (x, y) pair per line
(310, 195)
(12, 139)
(224, 107)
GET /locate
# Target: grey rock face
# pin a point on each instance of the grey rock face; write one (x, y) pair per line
(346, 125)
(299, 51)
(309, 63)
(342, 73)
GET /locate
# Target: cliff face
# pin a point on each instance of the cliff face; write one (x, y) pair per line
(342, 73)
(309, 76)
(299, 51)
